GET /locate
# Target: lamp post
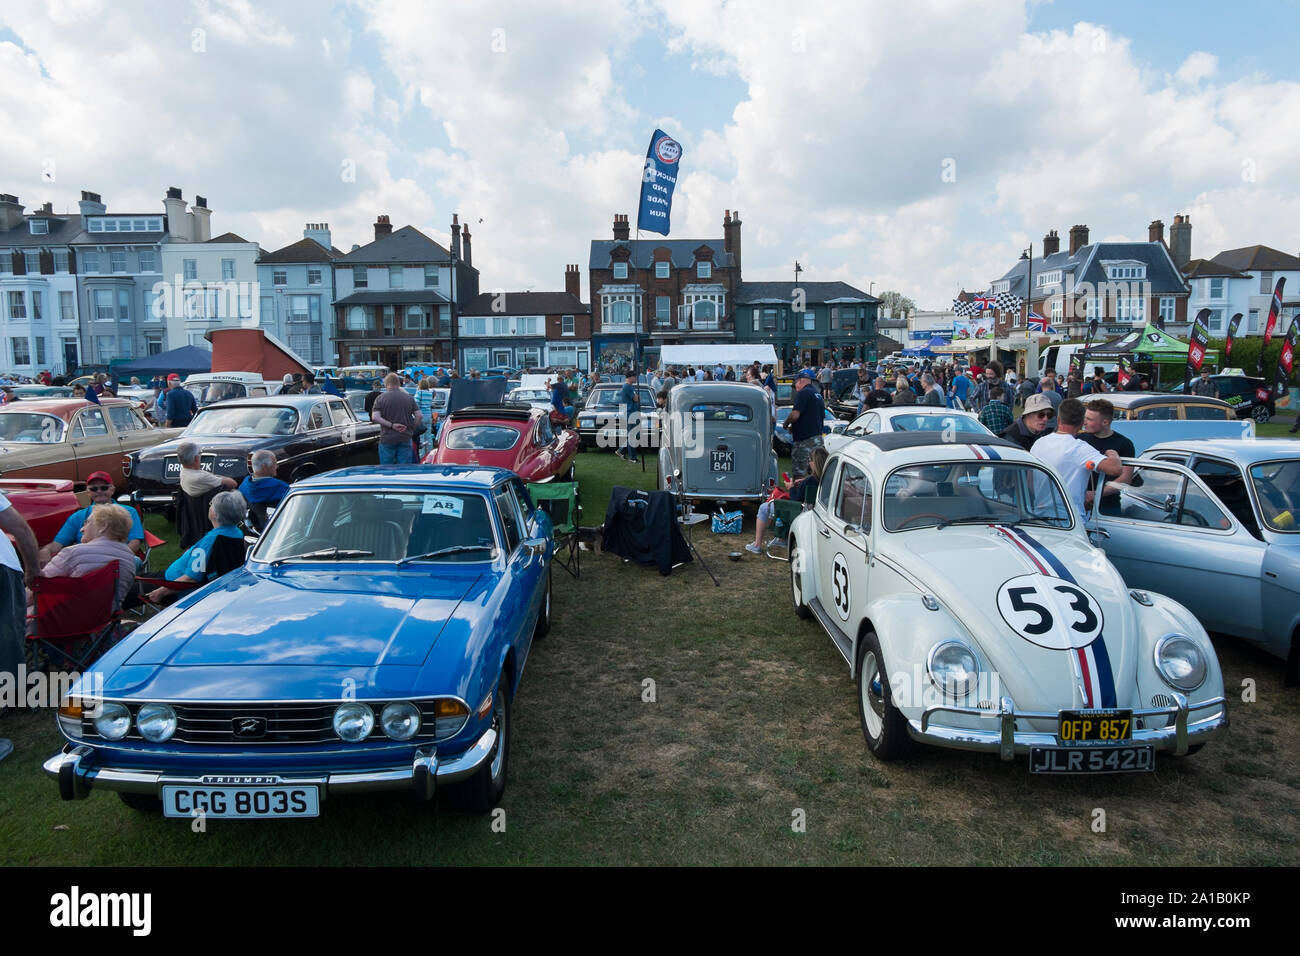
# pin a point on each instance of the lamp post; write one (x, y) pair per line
(794, 294)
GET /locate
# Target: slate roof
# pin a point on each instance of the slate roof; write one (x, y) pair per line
(1204, 268)
(227, 237)
(117, 238)
(1086, 265)
(405, 245)
(526, 303)
(394, 297)
(304, 250)
(682, 252)
(63, 229)
(748, 293)
(1258, 259)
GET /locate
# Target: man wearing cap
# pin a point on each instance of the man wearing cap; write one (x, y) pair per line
(100, 488)
(179, 405)
(1074, 460)
(1033, 422)
(805, 422)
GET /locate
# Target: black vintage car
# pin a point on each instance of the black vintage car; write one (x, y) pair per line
(308, 433)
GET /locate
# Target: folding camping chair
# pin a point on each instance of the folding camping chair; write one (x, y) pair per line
(150, 542)
(227, 554)
(784, 511)
(70, 611)
(559, 499)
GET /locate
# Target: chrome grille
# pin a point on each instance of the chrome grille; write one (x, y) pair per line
(1162, 700)
(287, 724)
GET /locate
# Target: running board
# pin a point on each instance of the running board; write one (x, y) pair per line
(841, 640)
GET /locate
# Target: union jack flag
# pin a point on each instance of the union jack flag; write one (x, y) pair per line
(982, 302)
(1039, 324)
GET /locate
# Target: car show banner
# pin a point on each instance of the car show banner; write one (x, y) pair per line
(1286, 358)
(1196, 348)
(1274, 310)
(1125, 371)
(1233, 324)
(658, 180)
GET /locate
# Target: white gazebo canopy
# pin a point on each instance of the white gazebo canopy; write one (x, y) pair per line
(732, 353)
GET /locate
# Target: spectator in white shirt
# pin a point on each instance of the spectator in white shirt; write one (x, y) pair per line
(1074, 460)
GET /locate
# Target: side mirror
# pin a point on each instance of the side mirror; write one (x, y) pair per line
(533, 547)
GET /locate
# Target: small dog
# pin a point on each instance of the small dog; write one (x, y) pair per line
(590, 538)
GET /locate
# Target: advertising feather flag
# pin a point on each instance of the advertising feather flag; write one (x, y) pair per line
(1286, 358)
(1233, 324)
(1274, 310)
(1200, 341)
(658, 179)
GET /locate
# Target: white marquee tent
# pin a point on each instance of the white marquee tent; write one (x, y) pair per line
(731, 353)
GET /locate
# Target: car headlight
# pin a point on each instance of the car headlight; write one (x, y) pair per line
(400, 720)
(450, 717)
(113, 722)
(353, 721)
(1180, 662)
(156, 722)
(953, 668)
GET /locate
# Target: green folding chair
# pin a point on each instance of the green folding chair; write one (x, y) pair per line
(784, 511)
(559, 499)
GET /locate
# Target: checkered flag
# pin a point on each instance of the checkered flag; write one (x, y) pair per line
(1009, 302)
(961, 308)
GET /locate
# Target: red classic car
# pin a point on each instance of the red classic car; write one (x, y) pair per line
(516, 437)
(44, 502)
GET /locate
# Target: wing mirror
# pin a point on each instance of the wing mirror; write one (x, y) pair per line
(533, 547)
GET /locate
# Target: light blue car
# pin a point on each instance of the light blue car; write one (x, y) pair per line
(1215, 525)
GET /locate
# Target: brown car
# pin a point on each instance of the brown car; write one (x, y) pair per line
(70, 437)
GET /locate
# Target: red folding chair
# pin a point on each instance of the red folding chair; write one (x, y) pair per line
(72, 612)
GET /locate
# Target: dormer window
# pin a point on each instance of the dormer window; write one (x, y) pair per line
(39, 227)
(704, 269)
(620, 270)
(661, 270)
(1126, 270)
(1050, 278)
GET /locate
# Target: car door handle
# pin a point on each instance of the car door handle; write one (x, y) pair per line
(824, 532)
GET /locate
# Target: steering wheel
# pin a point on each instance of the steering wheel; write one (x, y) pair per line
(1198, 519)
(923, 514)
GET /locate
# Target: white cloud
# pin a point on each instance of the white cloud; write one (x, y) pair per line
(1198, 66)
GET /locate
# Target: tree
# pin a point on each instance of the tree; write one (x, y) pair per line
(896, 304)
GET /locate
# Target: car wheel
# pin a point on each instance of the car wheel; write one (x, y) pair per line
(481, 792)
(1260, 414)
(883, 724)
(544, 615)
(796, 582)
(144, 802)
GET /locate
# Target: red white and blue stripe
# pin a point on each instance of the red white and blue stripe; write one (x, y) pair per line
(1096, 674)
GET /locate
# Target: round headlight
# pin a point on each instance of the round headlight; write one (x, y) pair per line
(953, 668)
(353, 721)
(400, 720)
(113, 722)
(1180, 662)
(156, 722)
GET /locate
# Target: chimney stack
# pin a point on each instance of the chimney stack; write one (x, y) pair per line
(469, 256)
(1180, 240)
(383, 227)
(573, 281)
(202, 216)
(47, 209)
(1051, 244)
(731, 237)
(621, 227)
(90, 205)
(320, 231)
(11, 213)
(1156, 231)
(455, 235)
(1078, 238)
(179, 225)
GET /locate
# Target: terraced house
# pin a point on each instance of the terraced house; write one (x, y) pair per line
(830, 321)
(296, 286)
(38, 290)
(526, 329)
(395, 297)
(1242, 280)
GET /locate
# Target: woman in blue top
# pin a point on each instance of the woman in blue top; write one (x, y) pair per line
(424, 401)
(225, 513)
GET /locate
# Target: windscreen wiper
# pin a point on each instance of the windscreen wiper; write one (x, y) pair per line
(454, 549)
(323, 554)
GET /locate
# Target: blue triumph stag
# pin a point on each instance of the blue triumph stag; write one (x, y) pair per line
(373, 641)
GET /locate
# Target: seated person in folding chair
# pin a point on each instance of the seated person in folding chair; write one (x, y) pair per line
(103, 539)
(197, 565)
(805, 490)
(101, 490)
(262, 490)
(195, 484)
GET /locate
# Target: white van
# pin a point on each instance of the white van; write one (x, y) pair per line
(211, 387)
(1058, 357)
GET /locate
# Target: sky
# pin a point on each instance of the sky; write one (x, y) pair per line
(917, 147)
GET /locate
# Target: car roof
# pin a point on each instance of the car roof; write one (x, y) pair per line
(1130, 399)
(902, 448)
(63, 407)
(509, 412)
(1237, 449)
(889, 411)
(292, 401)
(477, 477)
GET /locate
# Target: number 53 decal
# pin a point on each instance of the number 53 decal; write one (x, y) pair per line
(1050, 612)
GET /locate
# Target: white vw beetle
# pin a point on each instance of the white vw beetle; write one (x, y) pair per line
(961, 572)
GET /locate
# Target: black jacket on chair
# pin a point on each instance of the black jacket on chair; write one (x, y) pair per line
(642, 527)
(192, 516)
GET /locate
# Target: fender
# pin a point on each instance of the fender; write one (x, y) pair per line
(1166, 616)
(907, 630)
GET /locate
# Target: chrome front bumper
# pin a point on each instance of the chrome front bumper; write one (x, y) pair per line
(1008, 742)
(77, 770)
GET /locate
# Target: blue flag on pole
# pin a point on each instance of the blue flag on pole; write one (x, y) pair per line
(657, 182)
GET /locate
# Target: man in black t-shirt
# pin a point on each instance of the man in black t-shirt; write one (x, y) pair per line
(1098, 433)
(805, 422)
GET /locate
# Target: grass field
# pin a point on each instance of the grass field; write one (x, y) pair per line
(753, 727)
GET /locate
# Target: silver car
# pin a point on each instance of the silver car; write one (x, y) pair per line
(1214, 524)
(716, 438)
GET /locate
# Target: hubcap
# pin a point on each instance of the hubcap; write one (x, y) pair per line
(873, 696)
(499, 725)
(796, 585)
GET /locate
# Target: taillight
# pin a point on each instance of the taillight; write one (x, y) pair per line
(126, 466)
